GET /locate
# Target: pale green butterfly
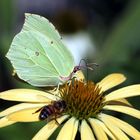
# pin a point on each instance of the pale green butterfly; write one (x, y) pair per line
(38, 55)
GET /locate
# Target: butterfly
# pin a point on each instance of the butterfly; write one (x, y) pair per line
(39, 56)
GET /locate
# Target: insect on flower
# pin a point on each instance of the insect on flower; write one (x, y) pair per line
(82, 109)
(38, 54)
(52, 111)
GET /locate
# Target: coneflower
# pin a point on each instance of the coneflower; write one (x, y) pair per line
(86, 103)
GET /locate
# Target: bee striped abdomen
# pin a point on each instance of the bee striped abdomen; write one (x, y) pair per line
(46, 112)
(52, 111)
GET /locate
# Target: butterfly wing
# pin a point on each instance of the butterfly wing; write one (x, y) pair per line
(38, 54)
(40, 24)
(29, 54)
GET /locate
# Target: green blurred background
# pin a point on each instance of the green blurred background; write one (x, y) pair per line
(114, 30)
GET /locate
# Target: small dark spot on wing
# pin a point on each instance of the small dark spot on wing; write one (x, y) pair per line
(37, 53)
(51, 42)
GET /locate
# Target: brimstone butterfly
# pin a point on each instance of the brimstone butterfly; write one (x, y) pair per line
(38, 55)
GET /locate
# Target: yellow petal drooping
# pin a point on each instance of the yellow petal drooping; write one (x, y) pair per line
(127, 128)
(19, 107)
(25, 115)
(79, 75)
(46, 131)
(86, 132)
(104, 127)
(69, 130)
(111, 81)
(119, 134)
(123, 100)
(5, 122)
(25, 95)
(99, 132)
(125, 92)
(124, 109)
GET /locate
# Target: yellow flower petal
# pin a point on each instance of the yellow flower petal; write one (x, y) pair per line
(108, 132)
(5, 122)
(25, 115)
(124, 101)
(79, 75)
(127, 128)
(111, 81)
(53, 94)
(46, 131)
(86, 132)
(20, 107)
(119, 134)
(69, 130)
(124, 109)
(99, 132)
(125, 92)
(25, 95)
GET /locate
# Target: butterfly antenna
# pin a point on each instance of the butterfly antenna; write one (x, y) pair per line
(88, 66)
(85, 67)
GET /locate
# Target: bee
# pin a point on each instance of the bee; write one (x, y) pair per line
(52, 111)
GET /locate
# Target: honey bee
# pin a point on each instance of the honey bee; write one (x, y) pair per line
(52, 111)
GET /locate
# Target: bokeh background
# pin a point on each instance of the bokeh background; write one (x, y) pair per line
(104, 32)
